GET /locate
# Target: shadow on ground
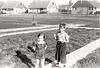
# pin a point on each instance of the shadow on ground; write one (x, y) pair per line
(24, 59)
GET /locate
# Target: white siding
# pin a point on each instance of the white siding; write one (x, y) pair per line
(52, 10)
(52, 7)
(19, 10)
(81, 10)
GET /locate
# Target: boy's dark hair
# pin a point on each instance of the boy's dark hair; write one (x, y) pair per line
(40, 35)
(62, 25)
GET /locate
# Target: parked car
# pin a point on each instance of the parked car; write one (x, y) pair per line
(66, 11)
(43, 12)
(97, 11)
(1, 12)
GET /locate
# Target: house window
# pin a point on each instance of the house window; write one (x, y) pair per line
(41, 8)
(75, 8)
(90, 8)
(21, 4)
(52, 3)
(10, 9)
(4, 9)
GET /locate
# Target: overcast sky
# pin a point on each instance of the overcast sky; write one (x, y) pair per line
(57, 1)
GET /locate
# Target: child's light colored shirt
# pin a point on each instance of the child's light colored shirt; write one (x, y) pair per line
(62, 37)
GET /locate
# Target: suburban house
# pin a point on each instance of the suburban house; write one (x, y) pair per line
(98, 7)
(41, 6)
(13, 6)
(85, 7)
(66, 8)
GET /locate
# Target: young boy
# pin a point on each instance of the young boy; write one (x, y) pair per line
(62, 38)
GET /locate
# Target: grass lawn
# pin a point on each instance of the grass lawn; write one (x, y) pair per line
(24, 20)
(92, 60)
(93, 26)
(9, 45)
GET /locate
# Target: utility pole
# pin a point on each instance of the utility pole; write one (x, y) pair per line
(82, 7)
(87, 8)
(34, 23)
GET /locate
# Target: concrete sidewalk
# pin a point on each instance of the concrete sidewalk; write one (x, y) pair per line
(26, 28)
(26, 32)
(40, 27)
(73, 57)
(85, 28)
(82, 52)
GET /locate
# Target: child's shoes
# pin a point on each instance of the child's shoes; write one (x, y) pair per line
(61, 65)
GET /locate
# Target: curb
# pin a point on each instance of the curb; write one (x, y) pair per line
(25, 32)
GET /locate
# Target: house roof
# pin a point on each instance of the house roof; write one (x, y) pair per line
(86, 3)
(39, 4)
(12, 4)
(99, 6)
(65, 6)
(1, 4)
(94, 3)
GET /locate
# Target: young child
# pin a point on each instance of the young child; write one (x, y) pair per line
(40, 47)
(62, 38)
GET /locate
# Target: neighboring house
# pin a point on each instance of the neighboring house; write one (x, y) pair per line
(66, 8)
(97, 11)
(1, 4)
(98, 7)
(85, 7)
(14, 6)
(40, 6)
